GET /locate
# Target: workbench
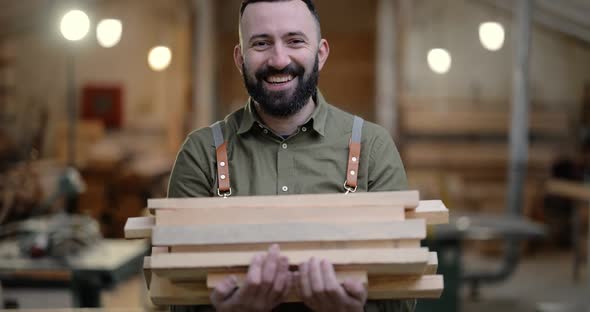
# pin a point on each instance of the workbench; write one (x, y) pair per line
(100, 267)
(575, 191)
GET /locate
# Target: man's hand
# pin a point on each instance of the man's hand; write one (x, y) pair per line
(266, 286)
(318, 288)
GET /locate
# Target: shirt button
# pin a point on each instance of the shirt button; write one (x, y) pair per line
(303, 129)
(265, 131)
(284, 146)
(285, 188)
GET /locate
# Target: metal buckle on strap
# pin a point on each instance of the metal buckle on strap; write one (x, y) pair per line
(224, 194)
(348, 188)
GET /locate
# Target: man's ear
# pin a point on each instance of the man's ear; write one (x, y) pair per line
(238, 57)
(323, 52)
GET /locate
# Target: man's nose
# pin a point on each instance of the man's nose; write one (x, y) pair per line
(279, 58)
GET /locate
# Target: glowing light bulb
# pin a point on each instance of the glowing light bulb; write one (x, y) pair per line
(75, 25)
(439, 60)
(159, 58)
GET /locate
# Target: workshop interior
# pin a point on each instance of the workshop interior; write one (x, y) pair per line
(487, 102)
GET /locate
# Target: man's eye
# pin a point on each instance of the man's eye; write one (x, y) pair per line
(260, 44)
(297, 41)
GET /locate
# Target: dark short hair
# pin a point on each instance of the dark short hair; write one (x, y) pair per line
(309, 4)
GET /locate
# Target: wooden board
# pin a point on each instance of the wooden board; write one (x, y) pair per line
(269, 215)
(140, 227)
(478, 122)
(432, 265)
(462, 155)
(215, 278)
(286, 232)
(401, 243)
(433, 211)
(374, 261)
(147, 271)
(568, 189)
(409, 199)
(165, 292)
(418, 287)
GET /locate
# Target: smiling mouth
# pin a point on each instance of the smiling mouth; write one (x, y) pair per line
(279, 79)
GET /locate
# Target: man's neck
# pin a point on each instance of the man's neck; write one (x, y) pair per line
(288, 125)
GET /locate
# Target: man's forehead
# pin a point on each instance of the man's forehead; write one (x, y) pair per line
(277, 18)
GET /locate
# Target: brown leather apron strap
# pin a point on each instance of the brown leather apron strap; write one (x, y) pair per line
(354, 154)
(223, 188)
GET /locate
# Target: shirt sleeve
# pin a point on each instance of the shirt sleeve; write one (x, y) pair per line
(386, 171)
(189, 176)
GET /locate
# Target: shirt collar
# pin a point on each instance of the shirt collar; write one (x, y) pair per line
(317, 118)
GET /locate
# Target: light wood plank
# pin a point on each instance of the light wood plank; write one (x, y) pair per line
(215, 278)
(433, 211)
(568, 189)
(270, 215)
(409, 199)
(147, 271)
(411, 287)
(431, 122)
(286, 232)
(432, 265)
(165, 292)
(375, 261)
(140, 227)
(159, 250)
(401, 243)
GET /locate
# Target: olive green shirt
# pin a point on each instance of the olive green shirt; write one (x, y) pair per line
(312, 160)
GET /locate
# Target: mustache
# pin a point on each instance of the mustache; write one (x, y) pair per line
(291, 69)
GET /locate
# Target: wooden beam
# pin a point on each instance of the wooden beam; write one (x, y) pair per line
(433, 211)
(400, 243)
(215, 278)
(414, 287)
(147, 271)
(432, 265)
(461, 155)
(477, 122)
(286, 232)
(140, 227)
(165, 292)
(409, 199)
(270, 215)
(374, 261)
(568, 189)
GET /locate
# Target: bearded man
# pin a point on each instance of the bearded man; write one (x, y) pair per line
(287, 140)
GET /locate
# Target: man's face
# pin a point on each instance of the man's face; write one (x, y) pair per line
(280, 55)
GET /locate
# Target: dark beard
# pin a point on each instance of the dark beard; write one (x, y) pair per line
(280, 104)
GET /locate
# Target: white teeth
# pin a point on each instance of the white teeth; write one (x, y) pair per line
(279, 79)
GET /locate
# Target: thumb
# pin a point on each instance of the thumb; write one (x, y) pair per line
(224, 289)
(355, 289)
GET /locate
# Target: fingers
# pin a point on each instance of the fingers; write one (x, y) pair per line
(355, 289)
(333, 290)
(269, 270)
(304, 282)
(281, 281)
(224, 290)
(253, 278)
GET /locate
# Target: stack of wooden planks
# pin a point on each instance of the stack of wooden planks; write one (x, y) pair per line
(374, 237)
